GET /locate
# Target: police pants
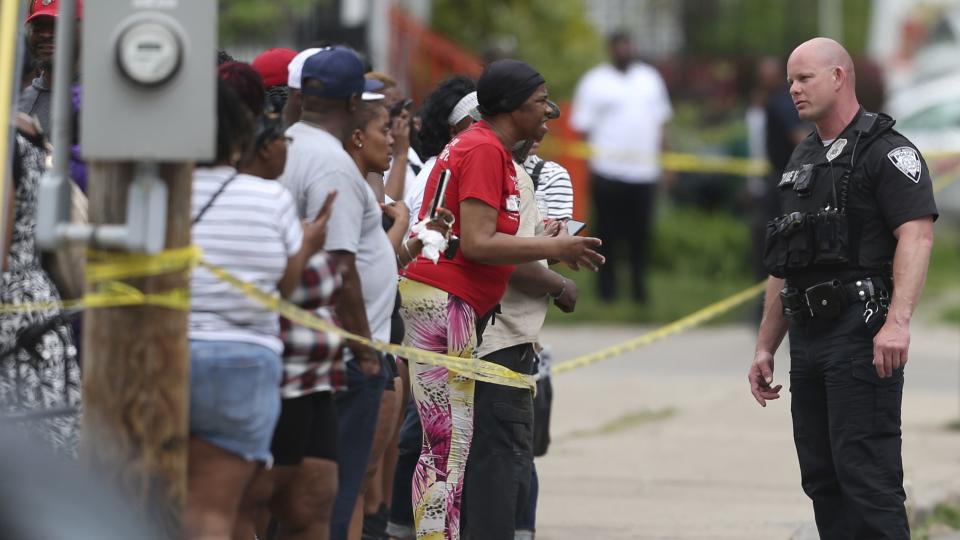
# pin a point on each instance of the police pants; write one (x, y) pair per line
(497, 482)
(846, 426)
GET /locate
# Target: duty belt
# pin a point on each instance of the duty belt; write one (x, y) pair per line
(827, 300)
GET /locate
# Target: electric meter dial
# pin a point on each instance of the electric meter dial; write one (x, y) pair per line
(149, 53)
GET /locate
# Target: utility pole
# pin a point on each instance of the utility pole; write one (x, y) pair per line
(135, 365)
(149, 112)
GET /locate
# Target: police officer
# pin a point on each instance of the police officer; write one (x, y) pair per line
(848, 259)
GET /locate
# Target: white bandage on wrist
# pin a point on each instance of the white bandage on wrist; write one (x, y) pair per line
(433, 242)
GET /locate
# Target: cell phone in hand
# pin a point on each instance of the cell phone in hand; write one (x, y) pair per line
(439, 194)
(575, 227)
(400, 107)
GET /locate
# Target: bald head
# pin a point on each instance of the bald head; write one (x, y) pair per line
(822, 83)
(825, 53)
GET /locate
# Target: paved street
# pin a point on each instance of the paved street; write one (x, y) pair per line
(667, 442)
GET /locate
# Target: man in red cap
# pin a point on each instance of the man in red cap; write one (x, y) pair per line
(41, 19)
(272, 66)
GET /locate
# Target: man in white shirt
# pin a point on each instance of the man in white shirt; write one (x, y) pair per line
(622, 108)
(331, 86)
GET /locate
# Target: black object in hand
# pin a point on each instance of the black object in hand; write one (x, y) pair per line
(453, 244)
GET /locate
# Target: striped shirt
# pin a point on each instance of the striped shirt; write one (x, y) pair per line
(554, 188)
(250, 230)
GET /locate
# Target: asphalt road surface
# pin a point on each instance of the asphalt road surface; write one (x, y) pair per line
(667, 442)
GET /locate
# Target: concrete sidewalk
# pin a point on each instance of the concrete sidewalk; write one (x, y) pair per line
(667, 442)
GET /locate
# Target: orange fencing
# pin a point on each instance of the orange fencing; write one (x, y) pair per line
(422, 58)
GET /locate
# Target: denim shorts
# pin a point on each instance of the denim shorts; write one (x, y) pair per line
(235, 396)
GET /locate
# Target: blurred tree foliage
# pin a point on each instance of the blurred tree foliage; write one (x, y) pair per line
(755, 27)
(259, 20)
(552, 35)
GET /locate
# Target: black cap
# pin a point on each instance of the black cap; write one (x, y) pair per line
(505, 84)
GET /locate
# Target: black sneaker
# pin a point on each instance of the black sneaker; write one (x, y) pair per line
(375, 525)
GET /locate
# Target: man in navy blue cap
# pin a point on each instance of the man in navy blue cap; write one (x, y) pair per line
(294, 104)
(329, 439)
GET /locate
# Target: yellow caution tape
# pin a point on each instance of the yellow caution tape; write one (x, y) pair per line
(112, 294)
(109, 265)
(105, 268)
(125, 265)
(698, 317)
(673, 161)
(688, 163)
(694, 319)
(477, 369)
(117, 294)
(9, 38)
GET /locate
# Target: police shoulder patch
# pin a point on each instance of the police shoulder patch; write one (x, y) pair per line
(907, 161)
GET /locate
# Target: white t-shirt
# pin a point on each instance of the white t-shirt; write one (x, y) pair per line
(413, 165)
(414, 195)
(317, 164)
(250, 230)
(623, 114)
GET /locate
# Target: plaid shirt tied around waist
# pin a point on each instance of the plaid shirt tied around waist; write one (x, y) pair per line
(313, 359)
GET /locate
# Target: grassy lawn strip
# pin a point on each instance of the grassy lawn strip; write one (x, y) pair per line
(702, 257)
(944, 520)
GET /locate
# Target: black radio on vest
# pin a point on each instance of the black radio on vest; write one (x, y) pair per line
(842, 200)
(816, 231)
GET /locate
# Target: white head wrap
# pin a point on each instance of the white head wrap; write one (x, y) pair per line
(465, 107)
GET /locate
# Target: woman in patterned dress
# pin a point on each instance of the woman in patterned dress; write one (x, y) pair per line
(38, 359)
(445, 304)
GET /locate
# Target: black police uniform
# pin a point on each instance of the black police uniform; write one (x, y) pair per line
(834, 244)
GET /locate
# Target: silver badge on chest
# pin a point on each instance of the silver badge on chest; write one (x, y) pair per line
(835, 149)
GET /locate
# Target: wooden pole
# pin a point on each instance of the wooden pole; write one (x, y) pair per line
(135, 366)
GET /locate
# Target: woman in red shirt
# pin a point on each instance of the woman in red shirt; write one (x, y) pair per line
(443, 302)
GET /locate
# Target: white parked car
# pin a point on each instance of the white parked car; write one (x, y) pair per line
(929, 115)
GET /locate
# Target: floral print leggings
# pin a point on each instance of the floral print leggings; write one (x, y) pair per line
(440, 322)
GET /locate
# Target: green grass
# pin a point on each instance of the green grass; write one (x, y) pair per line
(945, 515)
(697, 258)
(672, 296)
(701, 257)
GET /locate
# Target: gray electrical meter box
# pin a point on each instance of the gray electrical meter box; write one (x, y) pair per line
(149, 81)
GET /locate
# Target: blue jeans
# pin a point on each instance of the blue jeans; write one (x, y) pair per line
(357, 411)
(235, 396)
